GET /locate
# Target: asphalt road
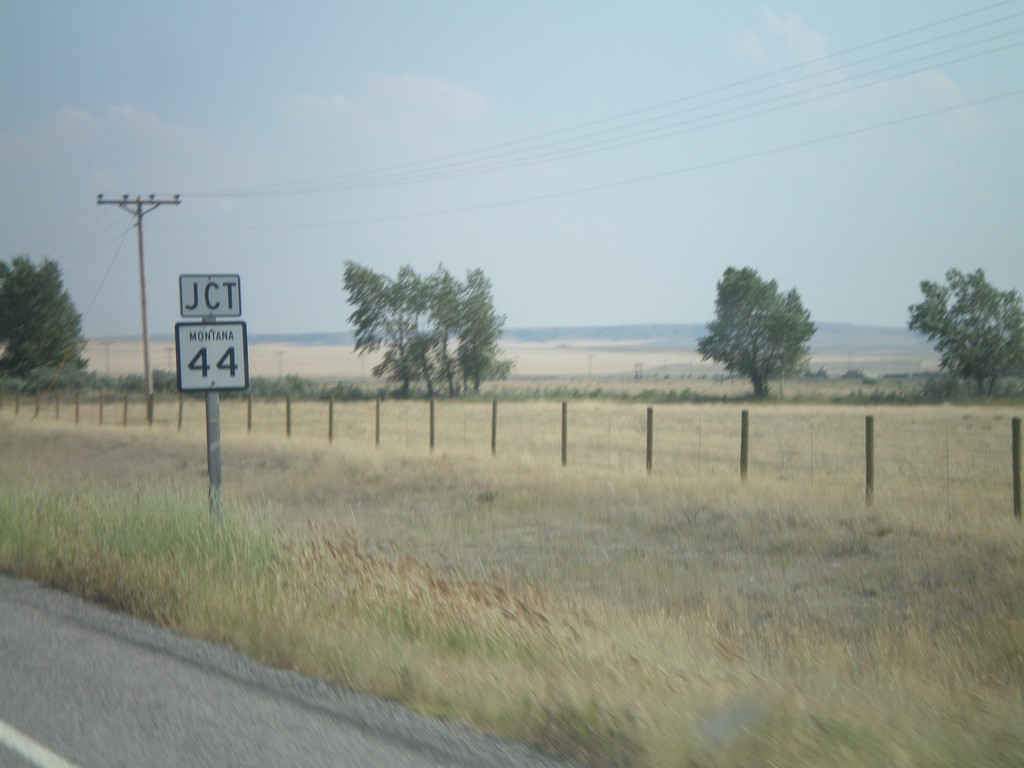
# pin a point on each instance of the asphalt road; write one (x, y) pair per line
(83, 686)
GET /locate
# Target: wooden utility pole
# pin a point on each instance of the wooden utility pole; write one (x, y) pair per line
(139, 208)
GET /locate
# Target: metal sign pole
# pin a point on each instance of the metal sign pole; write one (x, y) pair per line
(213, 453)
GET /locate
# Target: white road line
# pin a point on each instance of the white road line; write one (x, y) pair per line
(32, 751)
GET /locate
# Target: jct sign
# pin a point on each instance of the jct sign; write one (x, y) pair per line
(210, 296)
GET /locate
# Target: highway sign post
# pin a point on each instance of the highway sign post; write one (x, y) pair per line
(212, 356)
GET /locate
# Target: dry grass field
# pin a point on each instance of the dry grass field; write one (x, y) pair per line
(585, 361)
(681, 617)
(340, 362)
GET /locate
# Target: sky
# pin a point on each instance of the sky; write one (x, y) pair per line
(602, 162)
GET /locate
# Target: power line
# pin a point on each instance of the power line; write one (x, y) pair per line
(526, 151)
(62, 227)
(713, 120)
(551, 151)
(646, 124)
(83, 252)
(58, 251)
(106, 274)
(644, 178)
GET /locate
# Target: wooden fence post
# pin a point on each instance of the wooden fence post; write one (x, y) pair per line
(288, 415)
(494, 428)
(1015, 428)
(869, 460)
(650, 438)
(376, 424)
(125, 420)
(744, 443)
(431, 424)
(565, 433)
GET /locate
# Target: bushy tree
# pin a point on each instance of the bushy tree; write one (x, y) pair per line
(386, 316)
(39, 325)
(758, 332)
(480, 330)
(446, 313)
(978, 330)
(433, 330)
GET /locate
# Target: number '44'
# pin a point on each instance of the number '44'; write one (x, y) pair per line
(201, 362)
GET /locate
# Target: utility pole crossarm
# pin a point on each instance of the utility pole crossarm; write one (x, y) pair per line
(139, 208)
(139, 204)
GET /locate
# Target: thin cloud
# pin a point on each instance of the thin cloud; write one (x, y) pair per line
(779, 39)
(425, 97)
(130, 116)
(400, 99)
(796, 37)
(930, 90)
(749, 46)
(782, 40)
(314, 103)
(72, 119)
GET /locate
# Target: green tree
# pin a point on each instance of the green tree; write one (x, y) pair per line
(386, 317)
(445, 314)
(434, 330)
(978, 330)
(411, 306)
(758, 332)
(480, 328)
(39, 325)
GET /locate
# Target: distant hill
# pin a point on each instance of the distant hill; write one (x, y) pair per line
(673, 336)
(837, 338)
(332, 339)
(611, 349)
(831, 338)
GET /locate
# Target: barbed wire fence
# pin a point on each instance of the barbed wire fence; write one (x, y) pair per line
(934, 456)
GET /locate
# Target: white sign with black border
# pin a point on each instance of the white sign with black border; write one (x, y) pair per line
(210, 295)
(212, 356)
